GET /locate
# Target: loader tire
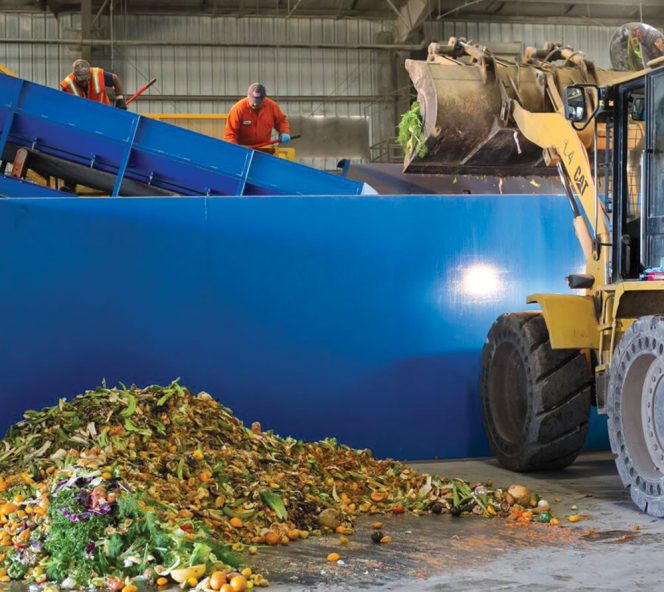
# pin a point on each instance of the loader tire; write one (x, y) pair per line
(635, 406)
(535, 400)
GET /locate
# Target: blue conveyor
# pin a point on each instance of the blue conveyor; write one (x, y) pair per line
(126, 154)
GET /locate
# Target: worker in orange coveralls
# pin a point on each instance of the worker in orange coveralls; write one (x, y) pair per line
(252, 119)
(91, 83)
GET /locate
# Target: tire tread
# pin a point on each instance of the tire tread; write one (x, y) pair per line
(560, 390)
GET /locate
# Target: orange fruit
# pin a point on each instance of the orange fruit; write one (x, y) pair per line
(217, 580)
(238, 584)
(236, 522)
(9, 508)
(378, 496)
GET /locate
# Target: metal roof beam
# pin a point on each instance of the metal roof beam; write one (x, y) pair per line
(644, 3)
(657, 21)
(410, 18)
(345, 6)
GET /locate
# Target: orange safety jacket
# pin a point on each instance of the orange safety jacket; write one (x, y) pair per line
(249, 127)
(96, 88)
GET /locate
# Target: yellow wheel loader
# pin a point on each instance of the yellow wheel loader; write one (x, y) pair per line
(602, 344)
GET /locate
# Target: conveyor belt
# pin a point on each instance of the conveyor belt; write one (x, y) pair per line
(127, 154)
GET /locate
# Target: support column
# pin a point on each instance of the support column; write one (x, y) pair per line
(86, 29)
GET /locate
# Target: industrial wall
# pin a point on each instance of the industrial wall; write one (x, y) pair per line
(342, 98)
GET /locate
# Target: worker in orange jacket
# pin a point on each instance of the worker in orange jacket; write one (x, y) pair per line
(91, 83)
(252, 119)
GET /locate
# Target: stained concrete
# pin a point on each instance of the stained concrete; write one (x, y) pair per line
(614, 547)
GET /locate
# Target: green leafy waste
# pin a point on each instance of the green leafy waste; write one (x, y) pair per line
(67, 542)
(410, 132)
(276, 503)
(97, 545)
(82, 547)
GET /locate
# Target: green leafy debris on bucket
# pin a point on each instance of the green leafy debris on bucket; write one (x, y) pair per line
(410, 132)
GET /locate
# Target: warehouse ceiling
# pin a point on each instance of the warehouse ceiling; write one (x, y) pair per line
(410, 13)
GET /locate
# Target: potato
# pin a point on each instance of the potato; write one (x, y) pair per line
(520, 494)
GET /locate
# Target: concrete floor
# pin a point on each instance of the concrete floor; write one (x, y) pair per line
(604, 552)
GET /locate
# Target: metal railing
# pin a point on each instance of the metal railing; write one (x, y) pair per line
(387, 150)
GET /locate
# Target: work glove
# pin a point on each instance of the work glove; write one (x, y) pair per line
(120, 102)
(284, 138)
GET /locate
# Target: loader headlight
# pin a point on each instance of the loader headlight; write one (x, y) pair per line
(480, 281)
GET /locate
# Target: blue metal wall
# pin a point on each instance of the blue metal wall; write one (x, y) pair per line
(357, 317)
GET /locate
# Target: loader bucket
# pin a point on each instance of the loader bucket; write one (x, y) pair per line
(467, 126)
(463, 128)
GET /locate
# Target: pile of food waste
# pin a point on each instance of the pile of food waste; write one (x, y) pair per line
(122, 485)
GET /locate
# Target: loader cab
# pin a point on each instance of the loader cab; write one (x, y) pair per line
(625, 190)
(630, 166)
(653, 251)
(638, 219)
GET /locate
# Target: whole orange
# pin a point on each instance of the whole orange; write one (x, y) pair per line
(238, 584)
(217, 580)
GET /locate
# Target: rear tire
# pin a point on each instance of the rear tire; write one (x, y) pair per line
(635, 405)
(535, 400)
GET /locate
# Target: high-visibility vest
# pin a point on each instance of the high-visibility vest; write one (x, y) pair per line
(96, 90)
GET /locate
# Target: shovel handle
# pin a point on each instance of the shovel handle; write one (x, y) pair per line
(273, 142)
(141, 90)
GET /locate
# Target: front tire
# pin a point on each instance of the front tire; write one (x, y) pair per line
(535, 400)
(635, 406)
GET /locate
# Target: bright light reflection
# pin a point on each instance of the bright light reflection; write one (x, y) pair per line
(480, 280)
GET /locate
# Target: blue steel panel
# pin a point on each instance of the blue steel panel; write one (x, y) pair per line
(182, 175)
(361, 318)
(205, 152)
(272, 176)
(11, 187)
(115, 141)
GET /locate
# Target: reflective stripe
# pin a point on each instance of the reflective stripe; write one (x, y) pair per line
(96, 73)
(72, 85)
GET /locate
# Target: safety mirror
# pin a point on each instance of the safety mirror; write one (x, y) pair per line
(575, 104)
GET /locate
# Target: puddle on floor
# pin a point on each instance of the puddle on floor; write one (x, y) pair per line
(421, 547)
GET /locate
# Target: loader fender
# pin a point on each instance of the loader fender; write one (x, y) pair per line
(570, 319)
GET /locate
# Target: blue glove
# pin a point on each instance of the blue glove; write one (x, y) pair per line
(284, 138)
